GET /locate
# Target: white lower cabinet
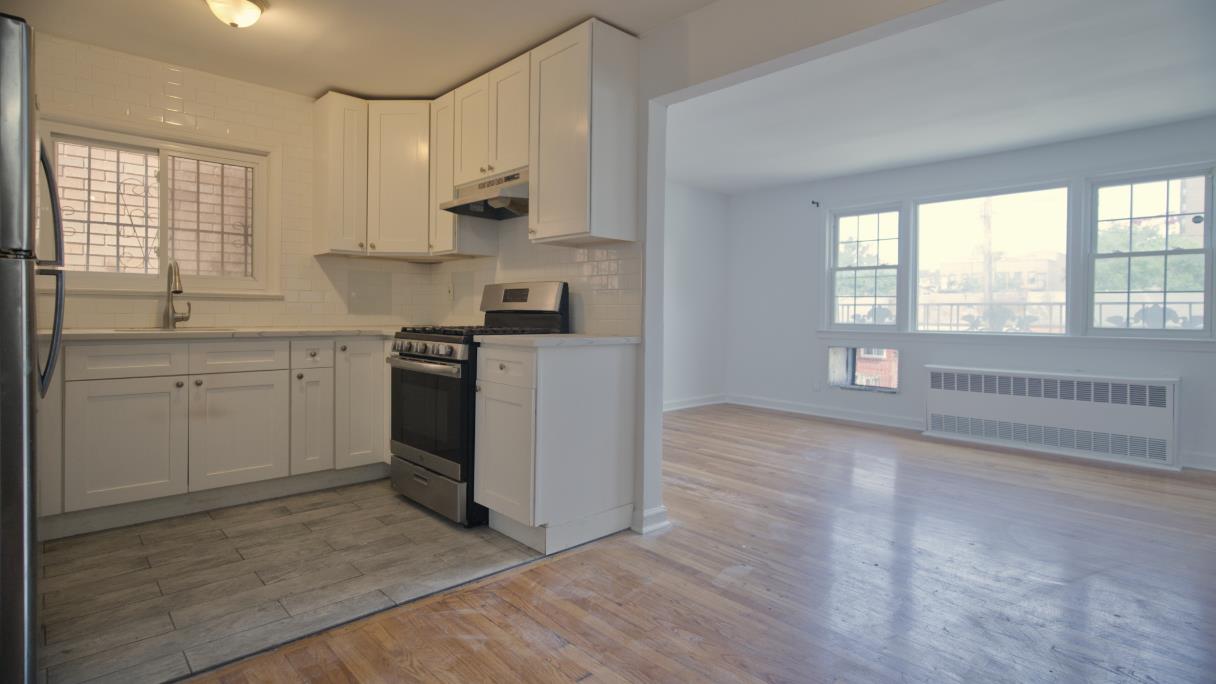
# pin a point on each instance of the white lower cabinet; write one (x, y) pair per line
(504, 444)
(312, 420)
(360, 376)
(124, 440)
(238, 428)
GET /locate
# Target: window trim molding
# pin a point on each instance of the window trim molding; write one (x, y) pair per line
(1089, 222)
(267, 164)
(829, 280)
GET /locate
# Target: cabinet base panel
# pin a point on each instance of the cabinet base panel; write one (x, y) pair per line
(121, 515)
(553, 538)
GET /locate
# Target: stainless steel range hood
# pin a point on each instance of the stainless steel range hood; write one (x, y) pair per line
(503, 197)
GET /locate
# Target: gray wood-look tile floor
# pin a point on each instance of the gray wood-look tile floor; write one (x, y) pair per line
(161, 600)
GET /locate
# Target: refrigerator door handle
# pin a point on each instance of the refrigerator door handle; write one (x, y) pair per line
(53, 267)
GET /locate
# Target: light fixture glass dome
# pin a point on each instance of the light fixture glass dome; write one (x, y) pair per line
(237, 13)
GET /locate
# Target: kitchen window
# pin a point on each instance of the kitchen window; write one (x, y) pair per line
(130, 204)
(993, 264)
(1151, 254)
(865, 269)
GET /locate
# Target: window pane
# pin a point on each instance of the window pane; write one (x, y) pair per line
(1113, 236)
(211, 217)
(109, 198)
(863, 368)
(867, 252)
(1160, 292)
(994, 264)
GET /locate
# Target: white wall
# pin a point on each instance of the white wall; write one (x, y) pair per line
(695, 287)
(104, 89)
(776, 260)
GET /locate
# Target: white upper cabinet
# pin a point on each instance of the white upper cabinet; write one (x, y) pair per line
(398, 178)
(583, 137)
(492, 122)
(340, 154)
(449, 234)
(509, 93)
(472, 141)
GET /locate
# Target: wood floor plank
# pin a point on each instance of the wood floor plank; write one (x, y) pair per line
(805, 550)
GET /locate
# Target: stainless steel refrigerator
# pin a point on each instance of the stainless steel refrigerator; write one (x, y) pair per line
(23, 378)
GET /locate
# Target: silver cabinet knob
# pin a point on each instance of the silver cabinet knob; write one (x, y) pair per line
(342, 348)
(531, 232)
(299, 376)
(179, 383)
(502, 366)
(313, 353)
(360, 245)
(483, 169)
(477, 388)
(490, 167)
(372, 245)
(198, 383)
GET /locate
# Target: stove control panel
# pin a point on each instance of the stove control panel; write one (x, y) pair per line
(455, 352)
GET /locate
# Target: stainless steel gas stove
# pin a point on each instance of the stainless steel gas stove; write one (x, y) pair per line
(434, 372)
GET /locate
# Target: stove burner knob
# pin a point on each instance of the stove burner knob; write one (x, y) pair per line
(407, 346)
(421, 347)
(443, 349)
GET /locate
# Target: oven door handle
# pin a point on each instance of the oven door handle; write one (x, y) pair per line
(449, 370)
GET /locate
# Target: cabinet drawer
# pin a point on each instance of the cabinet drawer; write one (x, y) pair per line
(109, 360)
(235, 356)
(312, 354)
(508, 366)
(432, 490)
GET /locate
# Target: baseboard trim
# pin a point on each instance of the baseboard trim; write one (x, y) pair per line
(1190, 459)
(693, 402)
(833, 412)
(650, 520)
(121, 515)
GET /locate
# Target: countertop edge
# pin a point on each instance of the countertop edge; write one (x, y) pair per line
(107, 335)
(555, 340)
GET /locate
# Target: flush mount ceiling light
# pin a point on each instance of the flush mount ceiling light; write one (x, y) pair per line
(237, 13)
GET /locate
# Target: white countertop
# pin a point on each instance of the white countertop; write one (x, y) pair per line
(553, 340)
(188, 333)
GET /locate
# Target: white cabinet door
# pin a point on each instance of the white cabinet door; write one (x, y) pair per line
(340, 176)
(312, 420)
(443, 138)
(472, 141)
(360, 376)
(398, 177)
(238, 428)
(558, 177)
(508, 86)
(124, 440)
(504, 451)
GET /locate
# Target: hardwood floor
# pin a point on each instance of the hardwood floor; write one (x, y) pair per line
(157, 601)
(809, 551)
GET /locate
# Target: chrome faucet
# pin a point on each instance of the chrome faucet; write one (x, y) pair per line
(174, 287)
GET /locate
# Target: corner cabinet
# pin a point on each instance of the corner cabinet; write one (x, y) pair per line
(398, 178)
(583, 165)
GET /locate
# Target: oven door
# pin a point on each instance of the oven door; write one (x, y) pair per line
(432, 415)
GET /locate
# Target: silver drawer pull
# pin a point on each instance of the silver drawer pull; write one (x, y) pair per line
(422, 480)
(179, 383)
(299, 376)
(502, 366)
(313, 353)
(198, 383)
(342, 348)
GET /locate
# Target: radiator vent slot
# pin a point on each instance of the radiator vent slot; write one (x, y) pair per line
(1136, 447)
(1103, 417)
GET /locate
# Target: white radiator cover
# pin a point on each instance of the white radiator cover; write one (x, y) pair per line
(1128, 420)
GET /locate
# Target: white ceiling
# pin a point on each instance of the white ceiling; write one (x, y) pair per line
(1008, 75)
(404, 48)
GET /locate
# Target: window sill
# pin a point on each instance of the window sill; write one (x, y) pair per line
(159, 294)
(1182, 343)
(866, 388)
